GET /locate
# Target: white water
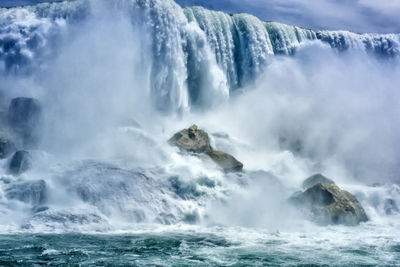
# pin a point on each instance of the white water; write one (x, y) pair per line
(288, 102)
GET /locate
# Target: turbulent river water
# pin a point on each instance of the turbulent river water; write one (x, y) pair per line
(116, 79)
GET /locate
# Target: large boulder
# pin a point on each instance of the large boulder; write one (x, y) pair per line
(328, 204)
(32, 192)
(316, 179)
(197, 141)
(6, 147)
(25, 119)
(225, 161)
(20, 162)
(192, 140)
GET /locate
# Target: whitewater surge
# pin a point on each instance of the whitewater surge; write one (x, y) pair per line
(117, 79)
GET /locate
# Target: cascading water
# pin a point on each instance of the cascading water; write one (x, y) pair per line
(116, 79)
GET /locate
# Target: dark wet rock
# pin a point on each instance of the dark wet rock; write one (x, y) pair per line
(192, 140)
(5, 180)
(49, 218)
(20, 162)
(166, 218)
(207, 182)
(25, 119)
(191, 217)
(185, 190)
(390, 206)
(7, 147)
(38, 209)
(225, 161)
(329, 204)
(33, 192)
(316, 179)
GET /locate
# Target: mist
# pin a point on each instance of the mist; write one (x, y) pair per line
(140, 132)
(337, 110)
(111, 95)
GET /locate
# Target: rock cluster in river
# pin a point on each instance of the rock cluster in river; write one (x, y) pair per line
(328, 204)
(197, 141)
(20, 130)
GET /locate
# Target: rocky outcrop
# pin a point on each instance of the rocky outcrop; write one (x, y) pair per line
(192, 140)
(7, 147)
(225, 161)
(33, 192)
(316, 179)
(328, 204)
(20, 162)
(25, 119)
(197, 141)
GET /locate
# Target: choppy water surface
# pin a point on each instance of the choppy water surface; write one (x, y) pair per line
(218, 246)
(116, 79)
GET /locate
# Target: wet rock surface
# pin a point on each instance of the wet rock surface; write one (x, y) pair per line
(227, 162)
(32, 192)
(197, 141)
(25, 120)
(328, 204)
(7, 147)
(192, 140)
(316, 179)
(20, 162)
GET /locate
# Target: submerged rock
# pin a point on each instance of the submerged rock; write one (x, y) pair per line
(316, 179)
(390, 206)
(331, 205)
(33, 193)
(25, 119)
(192, 140)
(225, 161)
(20, 162)
(7, 147)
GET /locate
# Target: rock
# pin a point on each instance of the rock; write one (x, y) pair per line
(28, 192)
(390, 206)
(25, 119)
(197, 141)
(20, 162)
(331, 205)
(316, 179)
(6, 147)
(225, 161)
(192, 140)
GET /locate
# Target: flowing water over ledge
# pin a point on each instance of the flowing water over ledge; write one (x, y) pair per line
(116, 79)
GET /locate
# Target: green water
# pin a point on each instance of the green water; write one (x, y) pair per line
(183, 249)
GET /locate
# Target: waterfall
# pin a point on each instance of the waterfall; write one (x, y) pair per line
(198, 56)
(115, 80)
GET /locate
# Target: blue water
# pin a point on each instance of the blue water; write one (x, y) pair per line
(192, 248)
